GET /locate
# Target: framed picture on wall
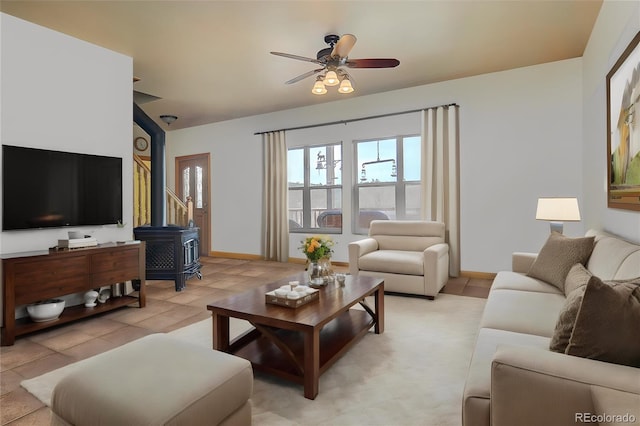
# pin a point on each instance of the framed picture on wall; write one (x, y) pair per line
(623, 130)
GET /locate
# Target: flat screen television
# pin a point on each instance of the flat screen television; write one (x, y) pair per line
(45, 189)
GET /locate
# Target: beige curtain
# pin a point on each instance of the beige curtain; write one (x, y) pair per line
(275, 212)
(441, 177)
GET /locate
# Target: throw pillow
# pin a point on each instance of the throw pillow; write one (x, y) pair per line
(558, 255)
(577, 277)
(567, 319)
(607, 323)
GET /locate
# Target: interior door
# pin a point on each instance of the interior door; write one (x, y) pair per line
(192, 180)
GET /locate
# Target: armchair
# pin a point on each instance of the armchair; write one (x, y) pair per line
(411, 256)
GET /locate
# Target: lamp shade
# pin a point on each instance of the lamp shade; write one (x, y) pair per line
(558, 209)
(331, 79)
(318, 88)
(345, 86)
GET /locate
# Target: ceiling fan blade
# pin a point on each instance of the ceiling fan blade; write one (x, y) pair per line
(344, 46)
(299, 58)
(373, 63)
(303, 76)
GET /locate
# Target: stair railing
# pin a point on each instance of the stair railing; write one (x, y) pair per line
(178, 212)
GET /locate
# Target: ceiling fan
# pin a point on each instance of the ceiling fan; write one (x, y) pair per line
(333, 60)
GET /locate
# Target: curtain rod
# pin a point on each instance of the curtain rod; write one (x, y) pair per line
(351, 120)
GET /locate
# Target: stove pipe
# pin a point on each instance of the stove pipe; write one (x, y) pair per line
(158, 169)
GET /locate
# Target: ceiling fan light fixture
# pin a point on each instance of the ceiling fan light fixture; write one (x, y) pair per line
(345, 86)
(331, 60)
(331, 79)
(318, 87)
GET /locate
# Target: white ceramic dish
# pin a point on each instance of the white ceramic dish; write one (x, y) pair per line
(294, 295)
(47, 310)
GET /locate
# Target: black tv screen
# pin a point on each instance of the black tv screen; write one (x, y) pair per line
(44, 189)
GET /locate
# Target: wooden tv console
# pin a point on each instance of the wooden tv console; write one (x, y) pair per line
(33, 276)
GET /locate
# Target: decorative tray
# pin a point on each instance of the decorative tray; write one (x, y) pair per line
(310, 296)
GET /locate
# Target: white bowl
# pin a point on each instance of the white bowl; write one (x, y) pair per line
(281, 292)
(47, 310)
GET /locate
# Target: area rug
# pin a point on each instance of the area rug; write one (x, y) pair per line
(412, 374)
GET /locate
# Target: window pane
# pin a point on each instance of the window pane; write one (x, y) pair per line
(334, 159)
(325, 208)
(377, 161)
(318, 168)
(411, 158)
(378, 200)
(295, 208)
(412, 201)
(295, 167)
(326, 165)
(199, 187)
(186, 191)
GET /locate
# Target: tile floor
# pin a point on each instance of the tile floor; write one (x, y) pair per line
(166, 310)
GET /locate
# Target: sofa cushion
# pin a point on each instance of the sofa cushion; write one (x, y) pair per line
(522, 311)
(558, 255)
(614, 258)
(507, 280)
(393, 261)
(607, 323)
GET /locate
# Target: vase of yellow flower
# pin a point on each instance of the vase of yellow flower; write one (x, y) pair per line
(318, 251)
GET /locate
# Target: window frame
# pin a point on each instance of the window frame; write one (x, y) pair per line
(307, 188)
(400, 184)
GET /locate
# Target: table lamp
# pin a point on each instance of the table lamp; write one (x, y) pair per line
(558, 211)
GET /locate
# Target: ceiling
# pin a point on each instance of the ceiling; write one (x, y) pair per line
(209, 61)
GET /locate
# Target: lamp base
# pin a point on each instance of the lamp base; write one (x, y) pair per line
(556, 226)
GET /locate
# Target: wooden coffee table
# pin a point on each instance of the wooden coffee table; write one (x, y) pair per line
(299, 344)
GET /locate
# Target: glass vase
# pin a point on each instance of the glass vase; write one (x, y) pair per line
(319, 271)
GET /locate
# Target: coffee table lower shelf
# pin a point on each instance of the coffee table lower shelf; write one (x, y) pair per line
(336, 338)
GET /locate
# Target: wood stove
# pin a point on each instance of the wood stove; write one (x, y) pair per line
(172, 253)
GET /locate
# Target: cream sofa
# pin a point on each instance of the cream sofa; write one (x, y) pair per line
(514, 379)
(411, 256)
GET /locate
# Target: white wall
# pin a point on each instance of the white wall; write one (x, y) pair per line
(62, 93)
(520, 136)
(617, 24)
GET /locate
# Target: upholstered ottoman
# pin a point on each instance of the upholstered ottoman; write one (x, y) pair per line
(156, 380)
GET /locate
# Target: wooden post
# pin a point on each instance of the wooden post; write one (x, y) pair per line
(189, 209)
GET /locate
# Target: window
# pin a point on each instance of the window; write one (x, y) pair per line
(315, 188)
(388, 181)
